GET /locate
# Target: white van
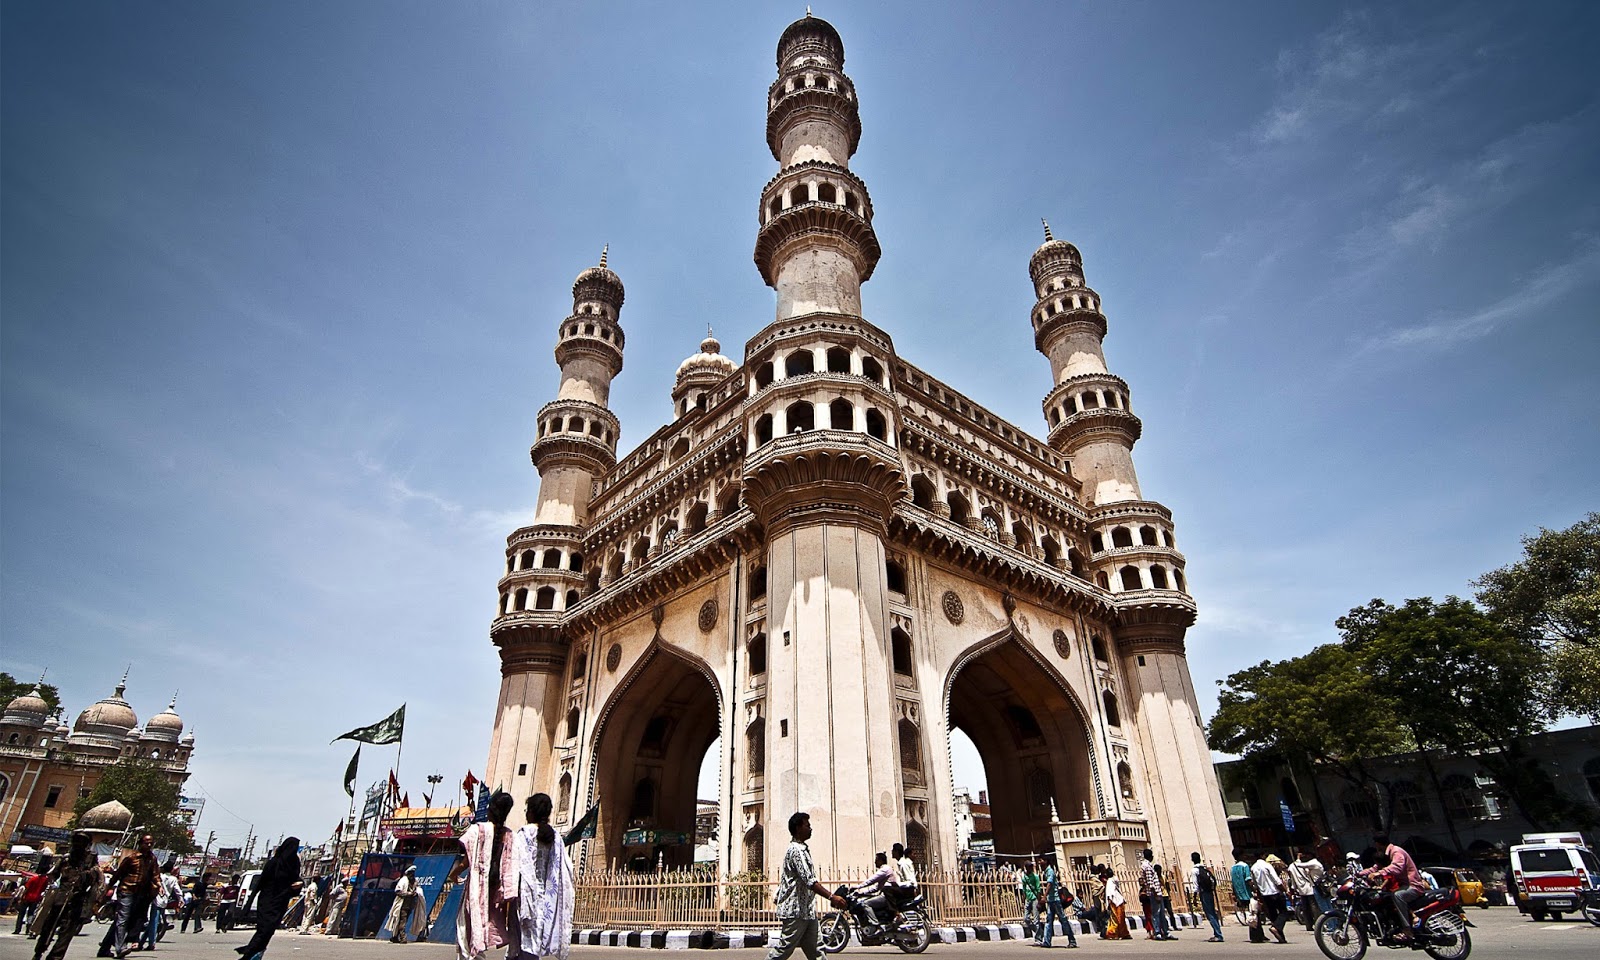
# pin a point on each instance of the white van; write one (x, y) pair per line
(1550, 871)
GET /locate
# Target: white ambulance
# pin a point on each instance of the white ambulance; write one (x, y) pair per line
(1551, 872)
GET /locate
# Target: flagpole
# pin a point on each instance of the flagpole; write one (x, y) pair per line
(400, 745)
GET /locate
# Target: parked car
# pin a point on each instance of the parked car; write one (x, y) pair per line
(1463, 881)
(1551, 872)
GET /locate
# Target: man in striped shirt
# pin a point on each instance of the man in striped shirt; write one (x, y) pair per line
(797, 882)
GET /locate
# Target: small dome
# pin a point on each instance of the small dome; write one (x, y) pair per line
(29, 709)
(600, 281)
(1054, 252)
(709, 361)
(111, 717)
(187, 739)
(166, 725)
(110, 817)
(812, 32)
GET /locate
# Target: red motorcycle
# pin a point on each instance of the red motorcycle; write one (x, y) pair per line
(1364, 913)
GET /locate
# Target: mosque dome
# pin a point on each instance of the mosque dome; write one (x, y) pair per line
(709, 362)
(111, 717)
(166, 725)
(109, 817)
(30, 709)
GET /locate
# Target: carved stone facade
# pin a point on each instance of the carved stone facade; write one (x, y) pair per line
(830, 558)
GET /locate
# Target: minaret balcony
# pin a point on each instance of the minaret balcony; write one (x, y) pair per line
(1097, 425)
(814, 180)
(837, 107)
(817, 223)
(822, 476)
(1047, 326)
(572, 449)
(1085, 392)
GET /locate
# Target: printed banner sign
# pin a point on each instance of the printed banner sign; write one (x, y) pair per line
(1288, 815)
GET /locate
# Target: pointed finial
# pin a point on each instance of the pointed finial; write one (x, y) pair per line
(174, 704)
(708, 331)
(1048, 236)
(603, 251)
(808, 9)
(123, 685)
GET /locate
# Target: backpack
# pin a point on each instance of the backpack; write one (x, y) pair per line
(1204, 880)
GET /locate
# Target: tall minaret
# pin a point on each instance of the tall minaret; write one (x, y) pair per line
(1088, 411)
(816, 244)
(576, 444)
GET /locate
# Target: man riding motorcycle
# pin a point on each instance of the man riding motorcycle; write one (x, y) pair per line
(877, 906)
(1398, 872)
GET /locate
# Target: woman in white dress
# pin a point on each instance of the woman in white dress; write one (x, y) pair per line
(545, 885)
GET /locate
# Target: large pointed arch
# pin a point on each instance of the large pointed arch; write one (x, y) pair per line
(1033, 734)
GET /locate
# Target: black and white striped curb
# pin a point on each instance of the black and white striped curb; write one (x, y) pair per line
(745, 939)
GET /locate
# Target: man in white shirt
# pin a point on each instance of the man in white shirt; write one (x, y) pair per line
(1304, 873)
(1265, 885)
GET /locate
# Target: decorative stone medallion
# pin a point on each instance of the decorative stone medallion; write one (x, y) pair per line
(954, 610)
(1063, 645)
(708, 615)
(614, 658)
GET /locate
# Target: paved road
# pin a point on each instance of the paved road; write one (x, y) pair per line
(1501, 933)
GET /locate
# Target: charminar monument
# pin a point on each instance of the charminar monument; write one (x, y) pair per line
(830, 559)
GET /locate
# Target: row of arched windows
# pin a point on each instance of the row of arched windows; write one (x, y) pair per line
(1149, 536)
(586, 329)
(800, 416)
(803, 360)
(575, 424)
(1151, 577)
(925, 495)
(542, 599)
(1087, 400)
(1064, 304)
(821, 191)
(551, 559)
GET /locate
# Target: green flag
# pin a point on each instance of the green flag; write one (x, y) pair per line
(350, 773)
(584, 828)
(384, 731)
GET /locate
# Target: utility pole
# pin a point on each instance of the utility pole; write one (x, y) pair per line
(205, 855)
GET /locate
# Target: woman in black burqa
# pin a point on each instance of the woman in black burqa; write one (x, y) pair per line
(280, 878)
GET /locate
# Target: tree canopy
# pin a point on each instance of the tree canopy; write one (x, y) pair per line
(11, 688)
(142, 787)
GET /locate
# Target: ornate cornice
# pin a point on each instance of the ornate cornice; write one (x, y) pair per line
(530, 647)
(1073, 384)
(819, 223)
(813, 103)
(823, 474)
(820, 324)
(1067, 321)
(1129, 510)
(572, 450)
(544, 533)
(938, 447)
(682, 565)
(578, 345)
(1154, 612)
(719, 452)
(1097, 424)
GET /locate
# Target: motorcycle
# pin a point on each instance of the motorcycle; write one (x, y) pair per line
(907, 929)
(1365, 913)
(1591, 906)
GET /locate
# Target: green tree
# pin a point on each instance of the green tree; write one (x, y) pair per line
(11, 688)
(1552, 597)
(1319, 708)
(142, 787)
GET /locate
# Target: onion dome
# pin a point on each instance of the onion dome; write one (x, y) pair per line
(810, 34)
(166, 725)
(110, 818)
(599, 283)
(187, 739)
(709, 362)
(111, 717)
(29, 710)
(1054, 256)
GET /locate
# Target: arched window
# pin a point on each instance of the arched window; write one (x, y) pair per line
(525, 560)
(522, 599)
(1125, 785)
(838, 360)
(564, 796)
(959, 508)
(680, 449)
(1147, 536)
(572, 599)
(1097, 543)
(917, 844)
(643, 807)
(799, 193)
(580, 663)
(758, 583)
(1130, 578)
(764, 375)
(901, 643)
(895, 575)
(552, 560)
(1410, 806)
(1101, 579)
(758, 655)
(1358, 808)
(572, 723)
(991, 522)
(696, 517)
(755, 747)
(1109, 700)
(729, 504)
(1177, 577)
(1097, 646)
(1464, 801)
(826, 193)
(799, 363)
(802, 416)
(641, 548)
(614, 569)
(910, 752)
(1022, 534)
(754, 855)
(775, 207)
(922, 492)
(575, 563)
(545, 599)
(872, 369)
(1158, 576)
(1121, 537)
(877, 426)
(1051, 549)
(1040, 789)
(1091, 400)
(841, 415)
(1075, 563)
(669, 535)
(764, 429)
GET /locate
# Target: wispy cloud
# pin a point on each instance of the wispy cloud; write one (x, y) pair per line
(1545, 287)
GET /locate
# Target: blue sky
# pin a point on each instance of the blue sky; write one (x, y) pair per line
(281, 283)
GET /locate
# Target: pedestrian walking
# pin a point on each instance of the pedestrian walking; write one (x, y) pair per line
(78, 879)
(545, 884)
(1202, 885)
(1305, 873)
(1169, 918)
(171, 893)
(311, 900)
(279, 880)
(797, 883)
(405, 916)
(1267, 887)
(1116, 906)
(485, 919)
(1051, 887)
(31, 892)
(338, 896)
(137, 880)
(194, 908)
(227, 902)
(1239, 879)
(1032, 899)
(1150, 897)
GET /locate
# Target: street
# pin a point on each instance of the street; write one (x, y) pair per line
(1500, 932)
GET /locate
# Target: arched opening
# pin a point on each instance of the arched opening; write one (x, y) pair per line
(1102, 580)
(1097, 646)
(696, 518)
(1097, 543)
(959, 508)
(758, 583)
(729, 504)
(754, 851)
(799, 363)
(992, 522)
(841, 415)
(520, 599)
(757, 653)
(1109, 701)
(838, 360)
(649, 753)
(764, 375)
(917, 845)
(923, 493)
(1158, 576)
(545, 599)
(580, 663)
(1147, 536)
(901, 643)
(572, 599)
(1033, 742)
(552, 560)
(1075, 563)
(764, 429)
(1120, 537)
(1130, 578)
(826, 193)
(525, 560)
(1051, 549)
(877, 426)
(641, 549)
(1177, 578)
(801, 415)
(910, 752)
(679, 450)
(895, 576)
(614, 568)
(755, 748)
(575, 563)
(1021, 533)
(872, 369)
(564, 797)
(799, 193)
(1130, 797)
